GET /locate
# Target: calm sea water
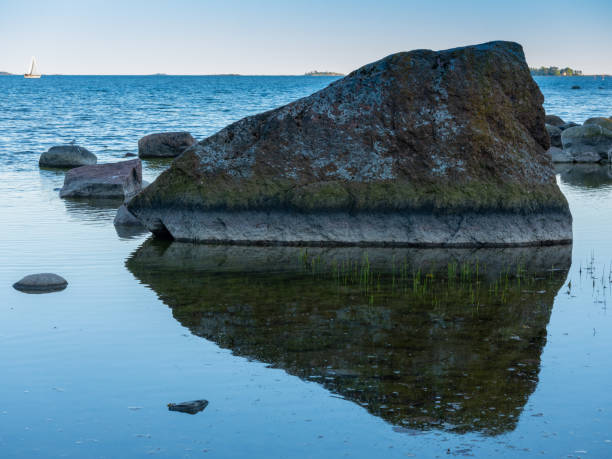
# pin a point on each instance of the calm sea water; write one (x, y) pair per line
(300, 353)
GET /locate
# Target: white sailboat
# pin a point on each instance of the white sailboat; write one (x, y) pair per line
(33, 72)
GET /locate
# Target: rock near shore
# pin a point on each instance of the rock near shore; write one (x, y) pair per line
(420, 148)
(164, 144)
(67, 156)
(114, 180)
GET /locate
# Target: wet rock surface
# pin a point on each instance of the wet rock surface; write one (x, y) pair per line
(41, 283)
(67, 156)
(444, 147)
(164, 144)
(105, 181)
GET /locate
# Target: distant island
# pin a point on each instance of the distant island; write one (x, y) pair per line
(555, 71)
(317, 73)
(5, 73)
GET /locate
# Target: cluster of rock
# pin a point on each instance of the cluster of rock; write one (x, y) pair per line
(420, 148)
(574, 143)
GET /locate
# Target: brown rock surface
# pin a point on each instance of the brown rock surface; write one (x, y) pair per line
(114, 180)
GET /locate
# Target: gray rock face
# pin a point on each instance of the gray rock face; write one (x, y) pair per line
(605, 123)
(589, 138)
(586, 157)
(555, 135)
(419, 148)
(67, 156)
(559, 156)
(41, 283)
(114, 180)
(164, 145)
(565, 126)
(554, 120)
(125, 218)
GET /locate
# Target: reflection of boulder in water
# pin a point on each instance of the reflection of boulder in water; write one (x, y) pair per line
(585, 175)
(454, 346)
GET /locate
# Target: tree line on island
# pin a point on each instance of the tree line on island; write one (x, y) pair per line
(555, 71)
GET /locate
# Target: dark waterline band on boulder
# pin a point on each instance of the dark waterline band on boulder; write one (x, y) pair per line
(420, 148)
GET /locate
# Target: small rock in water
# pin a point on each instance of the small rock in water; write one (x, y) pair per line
(41, 283)
(67, 156)
(164, 144)
(554, 120)
(192, 407)
(129, 155)
(108, 181)
(576, 87)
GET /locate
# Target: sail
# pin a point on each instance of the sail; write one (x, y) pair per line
(33, 67)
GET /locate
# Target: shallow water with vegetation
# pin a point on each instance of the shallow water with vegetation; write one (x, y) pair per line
(300, 352)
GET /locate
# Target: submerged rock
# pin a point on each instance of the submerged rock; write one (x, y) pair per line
(419, 148)
(41, 283)
(554, 120)
(67, 156)
(588, 138)
(586, 157)
(114, 180)
(164, 145)
(555, 135)
(189, 407)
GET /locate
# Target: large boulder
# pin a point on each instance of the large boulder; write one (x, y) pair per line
(419, 148)
(554, 120)
(164, 144)
(588, 138)
(555, 135)
(605, 123)
(67, 156)
(115, 180)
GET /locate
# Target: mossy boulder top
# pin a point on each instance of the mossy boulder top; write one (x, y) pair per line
(442, 132)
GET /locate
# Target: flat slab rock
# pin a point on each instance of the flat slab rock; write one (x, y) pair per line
(114, 180)
(419, 148)
(67, 156)
(192, 407)
(41, 283)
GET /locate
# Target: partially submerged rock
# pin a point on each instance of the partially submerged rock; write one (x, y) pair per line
(114, 180)
(420, 148)
(586, 157)
(67, 156)
(126, 218)
(605, 123)
(189, 407)
(554, 120)
(560, 156)
(588, 138)
(41, 283)
(164, 144)
(555, 135)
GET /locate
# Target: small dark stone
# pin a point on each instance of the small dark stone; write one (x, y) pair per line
(192, 407)
(576, 87)
(129, 155)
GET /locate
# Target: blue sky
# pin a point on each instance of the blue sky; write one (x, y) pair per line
(288, 37)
